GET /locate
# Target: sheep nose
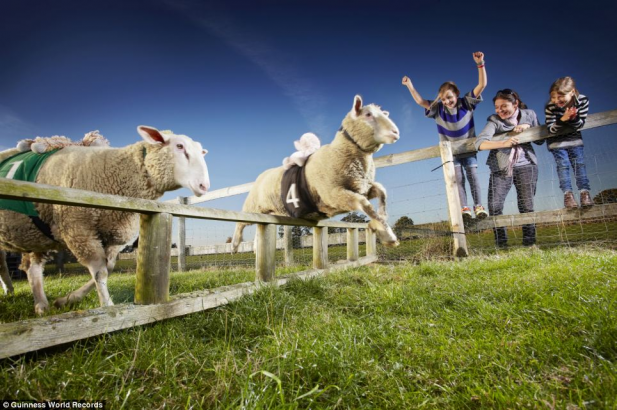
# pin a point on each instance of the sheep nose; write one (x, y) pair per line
(203, 187)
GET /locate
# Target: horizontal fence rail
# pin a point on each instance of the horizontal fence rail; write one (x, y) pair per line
(30, 191)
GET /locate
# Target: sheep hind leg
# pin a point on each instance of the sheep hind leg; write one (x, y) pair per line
(33, 263)
(377, 224)
(78, 295)
(96, 262)
(5, 278)
(238, 236)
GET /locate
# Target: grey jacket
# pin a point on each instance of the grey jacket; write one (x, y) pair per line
(496, 125)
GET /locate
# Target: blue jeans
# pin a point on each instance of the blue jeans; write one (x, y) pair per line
(471, 166)
(564, 157)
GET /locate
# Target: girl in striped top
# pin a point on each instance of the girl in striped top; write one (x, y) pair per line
(454, 118)
(566, 113)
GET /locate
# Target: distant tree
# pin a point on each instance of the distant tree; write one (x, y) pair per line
(229, 239)
(296, 233)
(404, 222)
(174, 246)
(608, 196)
(350, 217)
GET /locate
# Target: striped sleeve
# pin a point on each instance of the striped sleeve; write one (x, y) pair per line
(551, 118)
(582, 109)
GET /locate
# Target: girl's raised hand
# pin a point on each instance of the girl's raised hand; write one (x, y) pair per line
(478, 57)
(406, 81)
(569, 114)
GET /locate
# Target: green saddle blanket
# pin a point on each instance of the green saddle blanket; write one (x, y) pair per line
(22, 167)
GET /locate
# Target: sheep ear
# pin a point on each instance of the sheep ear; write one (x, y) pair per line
(151, 135)
(357, 105)
(204, 152)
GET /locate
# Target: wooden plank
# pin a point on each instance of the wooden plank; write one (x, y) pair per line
(320, 248)
(454, 203)
(34, 334)
(222, 193)
(288, 245)
(265, 249)
(352, 244)
(407, 156)
(182, 237)
(29, 191)
(153, 259)
(539, 133)
(549, 217)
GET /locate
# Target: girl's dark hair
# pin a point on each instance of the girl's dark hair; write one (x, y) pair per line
(509, 95)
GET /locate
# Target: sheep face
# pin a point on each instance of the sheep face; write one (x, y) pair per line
(190, 169)
(372, 120)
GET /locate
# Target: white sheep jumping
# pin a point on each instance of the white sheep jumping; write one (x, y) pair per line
(147, 169)
(340, 175)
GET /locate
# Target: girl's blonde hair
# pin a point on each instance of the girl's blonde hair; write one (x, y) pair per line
(448, 85)
(564, 85)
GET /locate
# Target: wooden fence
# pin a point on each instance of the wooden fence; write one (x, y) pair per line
(152, 299)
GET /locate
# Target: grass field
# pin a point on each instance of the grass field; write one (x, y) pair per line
(525, 328)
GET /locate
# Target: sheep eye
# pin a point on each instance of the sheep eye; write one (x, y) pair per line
(179, 146)
(368, 114)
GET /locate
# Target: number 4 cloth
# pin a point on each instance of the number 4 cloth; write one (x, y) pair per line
(24, 166)
(295, 194)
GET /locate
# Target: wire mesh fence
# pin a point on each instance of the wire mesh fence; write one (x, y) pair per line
(418, 212)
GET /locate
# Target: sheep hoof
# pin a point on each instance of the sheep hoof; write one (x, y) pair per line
(41, 308)
(391, 244)
(61, 302)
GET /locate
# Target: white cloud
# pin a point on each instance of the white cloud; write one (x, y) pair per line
(276, 65)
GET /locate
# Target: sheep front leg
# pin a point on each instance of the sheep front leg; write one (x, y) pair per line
(5, 278)
(33, 263)
(377, 224)
(98, 270)
(111, 254)
(378, 191)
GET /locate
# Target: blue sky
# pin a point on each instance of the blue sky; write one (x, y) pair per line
(248, 78)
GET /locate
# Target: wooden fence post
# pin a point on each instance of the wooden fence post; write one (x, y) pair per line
(153, 259)
(265, 252)
(454, 203)
(320, 248)
(182, 237)
(352, 244)
(371, 242)
(288, 245)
